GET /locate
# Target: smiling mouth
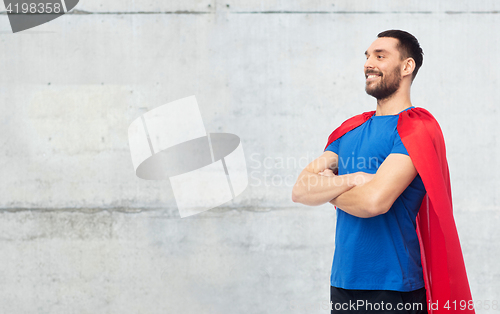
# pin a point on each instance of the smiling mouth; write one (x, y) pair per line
(371, 77)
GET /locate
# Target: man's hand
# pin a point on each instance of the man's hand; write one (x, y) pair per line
(313, 188)
(327, 173)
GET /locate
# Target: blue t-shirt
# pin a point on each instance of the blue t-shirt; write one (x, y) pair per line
(381, 252)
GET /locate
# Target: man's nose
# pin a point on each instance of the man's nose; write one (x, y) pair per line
(368, 64)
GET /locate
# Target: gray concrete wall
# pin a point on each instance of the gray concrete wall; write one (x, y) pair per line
(82, 234)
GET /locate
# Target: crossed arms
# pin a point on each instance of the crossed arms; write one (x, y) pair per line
(359, 194)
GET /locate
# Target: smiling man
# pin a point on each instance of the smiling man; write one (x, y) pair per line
(396, 245)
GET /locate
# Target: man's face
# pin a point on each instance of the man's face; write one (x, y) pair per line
(382, 68)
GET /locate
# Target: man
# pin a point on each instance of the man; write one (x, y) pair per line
(379, 169)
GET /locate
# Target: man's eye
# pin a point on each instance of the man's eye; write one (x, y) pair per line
(380, 57)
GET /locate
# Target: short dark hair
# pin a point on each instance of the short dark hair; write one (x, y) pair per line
(408, 47)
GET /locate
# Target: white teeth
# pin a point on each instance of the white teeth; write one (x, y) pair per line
(372, 76)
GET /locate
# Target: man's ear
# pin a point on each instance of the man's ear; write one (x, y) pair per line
(408, 66)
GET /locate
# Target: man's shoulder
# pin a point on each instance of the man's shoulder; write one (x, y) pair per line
(364, 115)
(348, 125)
(357, 119)
(417, 123)
(418, 115)
(423, 113)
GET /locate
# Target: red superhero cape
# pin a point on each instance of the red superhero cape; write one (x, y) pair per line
(442, 261)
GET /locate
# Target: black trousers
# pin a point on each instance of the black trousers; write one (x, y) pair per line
(344, 301)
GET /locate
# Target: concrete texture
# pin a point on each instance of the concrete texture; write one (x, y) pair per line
(215, 262)
(82, 234)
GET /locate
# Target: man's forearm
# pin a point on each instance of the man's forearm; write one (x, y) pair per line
(359, 201)
(314, 189)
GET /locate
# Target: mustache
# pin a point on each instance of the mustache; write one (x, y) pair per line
(373, 72)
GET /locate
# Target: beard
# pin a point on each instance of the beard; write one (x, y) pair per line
(386, 87)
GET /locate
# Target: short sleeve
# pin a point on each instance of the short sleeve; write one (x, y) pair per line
(334, 146)
(398, 147)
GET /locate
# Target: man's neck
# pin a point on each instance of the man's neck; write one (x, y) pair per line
(393, 105)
